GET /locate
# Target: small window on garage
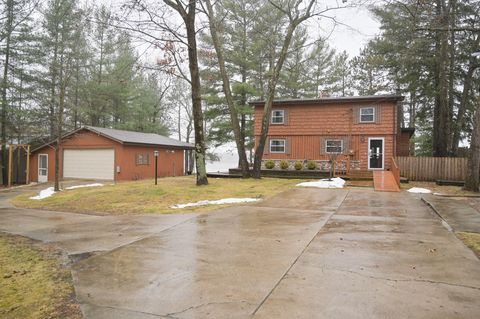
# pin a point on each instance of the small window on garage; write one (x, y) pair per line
(143, 159)
(334, 146)
(367, 114)
(277, 146)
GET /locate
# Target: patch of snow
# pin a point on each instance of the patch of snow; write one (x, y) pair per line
(44, 193)
(87, 185)
(335, 182)
(216, 202)
(419, 190)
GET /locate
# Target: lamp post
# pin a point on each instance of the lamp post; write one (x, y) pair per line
(155, 153)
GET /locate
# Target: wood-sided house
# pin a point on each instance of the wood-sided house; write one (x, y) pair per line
(360, 132)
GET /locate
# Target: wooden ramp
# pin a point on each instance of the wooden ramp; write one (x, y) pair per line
(384, 181)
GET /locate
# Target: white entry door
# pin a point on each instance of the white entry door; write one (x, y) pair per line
(89, 163)
(42, 168)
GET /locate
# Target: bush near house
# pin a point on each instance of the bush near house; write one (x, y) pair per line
(284, 164)
(269, 164)
(298, 165)
(311, 165)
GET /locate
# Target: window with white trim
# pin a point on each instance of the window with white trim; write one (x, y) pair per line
(142, 159)
(334, 146)
(367, 114)
(277, 146)
(278, 116)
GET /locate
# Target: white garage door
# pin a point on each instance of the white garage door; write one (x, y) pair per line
(89, 163)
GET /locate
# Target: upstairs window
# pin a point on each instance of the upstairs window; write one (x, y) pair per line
(278, 116)
(334, 146)
(367, 115)
(277, 146)
(142, 159)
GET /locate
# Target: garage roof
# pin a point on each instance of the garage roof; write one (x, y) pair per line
(130, 137)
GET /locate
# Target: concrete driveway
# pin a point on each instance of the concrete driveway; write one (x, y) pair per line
(306, 253)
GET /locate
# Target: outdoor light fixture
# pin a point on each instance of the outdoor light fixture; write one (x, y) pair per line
(155, 153)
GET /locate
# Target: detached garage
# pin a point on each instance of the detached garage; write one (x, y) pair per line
(109, 154)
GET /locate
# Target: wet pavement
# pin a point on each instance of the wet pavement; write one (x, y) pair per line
(306, 253)
(457, 213)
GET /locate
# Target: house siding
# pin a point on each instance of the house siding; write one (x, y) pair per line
(403, 147)
(169, 163)
(310, 125)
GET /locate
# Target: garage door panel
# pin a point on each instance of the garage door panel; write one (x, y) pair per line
(89, 163)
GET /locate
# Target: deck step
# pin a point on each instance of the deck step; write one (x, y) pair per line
(360, 175)
(384, 181)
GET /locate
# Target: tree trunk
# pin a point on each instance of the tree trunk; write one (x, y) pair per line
(459, 124)
(451, 73)
(242, 155)
(189, 19)
(441, 126)
(8, 37)
(61, 107)
(272, 83)
(472, 182)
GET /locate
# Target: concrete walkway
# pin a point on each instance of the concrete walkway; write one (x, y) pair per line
(459, 215)
(307, 253)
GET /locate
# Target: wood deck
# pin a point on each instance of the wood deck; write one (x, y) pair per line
(384, 181)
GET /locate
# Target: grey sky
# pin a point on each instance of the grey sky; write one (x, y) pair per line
(361, 28)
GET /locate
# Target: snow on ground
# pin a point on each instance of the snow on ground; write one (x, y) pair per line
(419, 190)
(47, 192)
(336, 182)
(216, 202)
(44, 193)
(87, 185)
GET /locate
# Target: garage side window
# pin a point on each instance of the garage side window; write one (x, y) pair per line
(143, 159)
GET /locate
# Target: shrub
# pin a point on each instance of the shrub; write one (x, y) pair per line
(284, 164)
(311, 165)
(298, 165)
(269, 164)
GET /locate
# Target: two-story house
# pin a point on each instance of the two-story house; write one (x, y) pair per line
(360, 132)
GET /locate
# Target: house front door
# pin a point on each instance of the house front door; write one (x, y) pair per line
(42, 168)
(376, 147)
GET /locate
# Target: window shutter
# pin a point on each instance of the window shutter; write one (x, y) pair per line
(346, 145)
(322, 146)
(266, 149)
(356, 114)
(378, 114)
(286, 117)
(288, 145)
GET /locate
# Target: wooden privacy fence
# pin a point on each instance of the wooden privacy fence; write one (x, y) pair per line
(432, 168)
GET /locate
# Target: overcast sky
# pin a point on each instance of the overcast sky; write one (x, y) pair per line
(360, 28)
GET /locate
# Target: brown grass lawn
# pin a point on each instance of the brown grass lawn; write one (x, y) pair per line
(472, 240)
(144, 197)
(34, 282)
